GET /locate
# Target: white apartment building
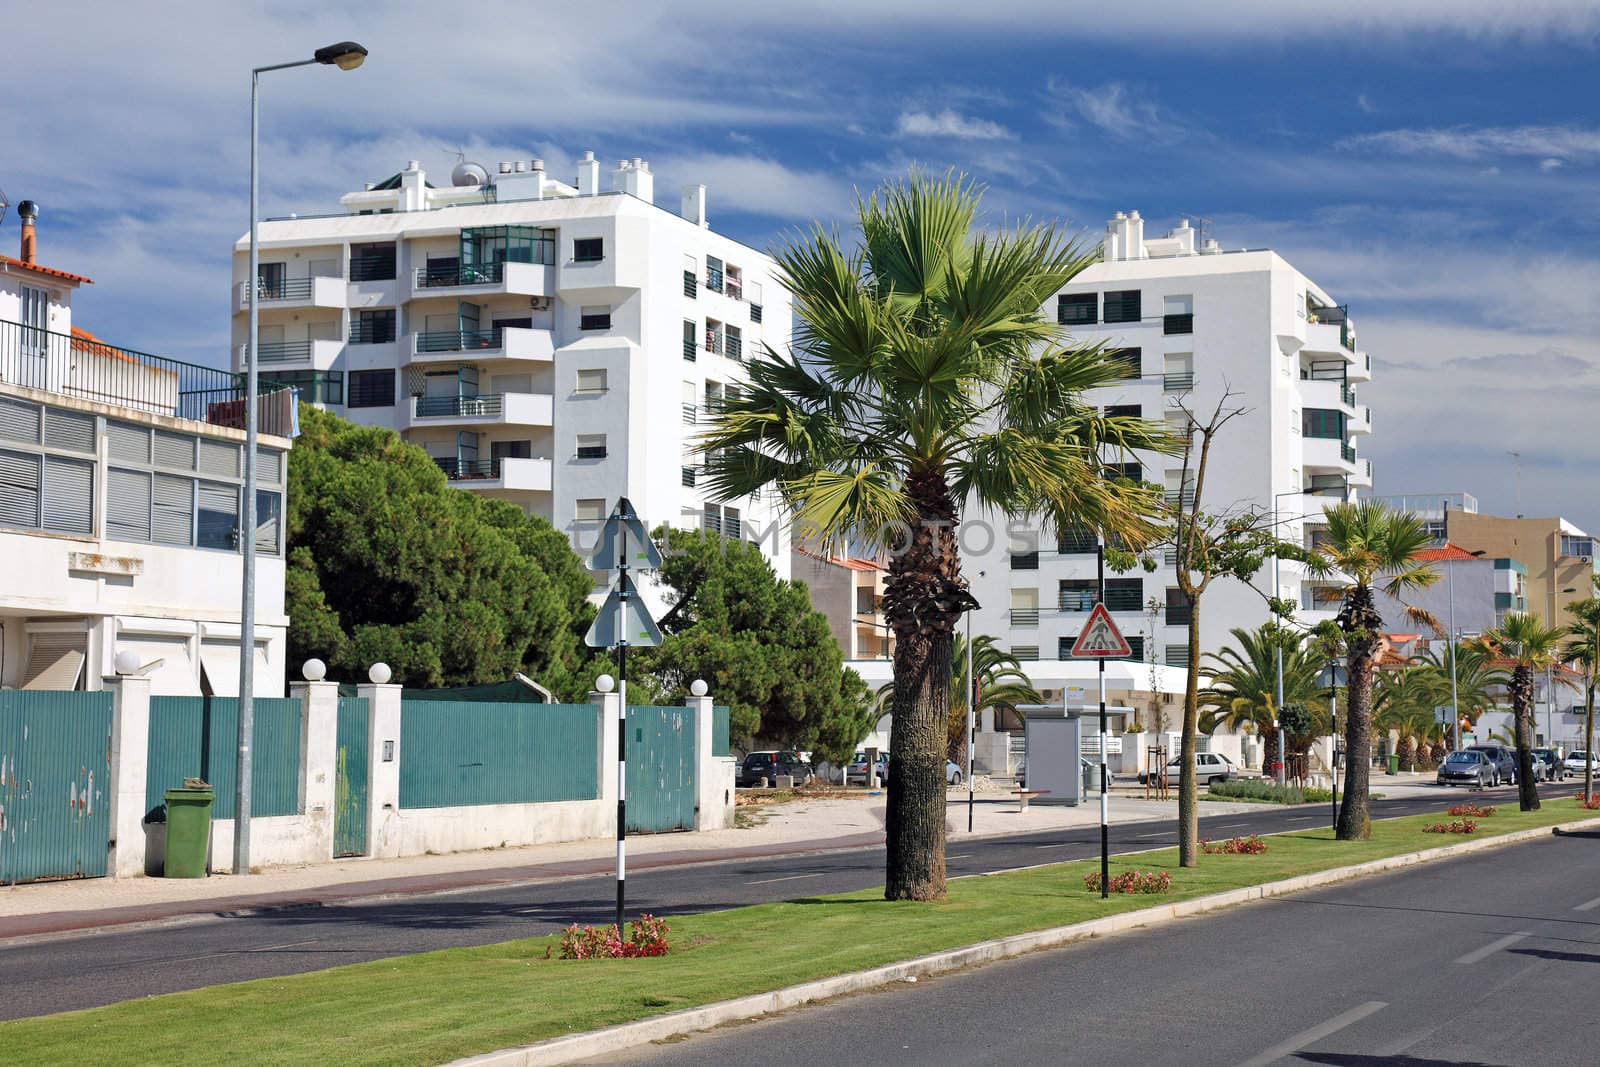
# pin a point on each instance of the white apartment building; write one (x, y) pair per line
(1190, 323)
(120, 482)
(548, 343)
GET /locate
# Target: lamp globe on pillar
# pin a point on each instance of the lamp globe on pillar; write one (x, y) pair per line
(127, 662)
(698, 687)
(605, 683)
(313, 670)
(379, 674)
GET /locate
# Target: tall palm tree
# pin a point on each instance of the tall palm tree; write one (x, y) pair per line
(1532, 646)
(1001, 684)
(922, 379)
(1404, 700)
(1369, 544)
(1244, 682)
(1476, 678)
(1584, 650)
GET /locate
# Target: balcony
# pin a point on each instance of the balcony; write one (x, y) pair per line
(484, 279)
(503, 342)
(1330, 339)
(1327, 455)
(512, 474)
(316, 292)
(319, 354)
(1076, 601)
(492, 409)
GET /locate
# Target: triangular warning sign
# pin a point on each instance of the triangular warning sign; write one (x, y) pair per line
(1100, 638)
(623, 618)
(623, 538)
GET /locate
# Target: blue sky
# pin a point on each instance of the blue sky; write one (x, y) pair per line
(1434, 164)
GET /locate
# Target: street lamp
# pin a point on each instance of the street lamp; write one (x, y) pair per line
(346, 55)
(1333, 676)
(1277, 591)
(1450, 572)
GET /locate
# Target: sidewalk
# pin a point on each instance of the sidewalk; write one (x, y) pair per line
(797, 826)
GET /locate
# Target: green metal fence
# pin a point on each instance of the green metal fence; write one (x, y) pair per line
(720, 740)
(197, 737)
(661, 766)
(459, 753)
(55, 754)
(350, 807)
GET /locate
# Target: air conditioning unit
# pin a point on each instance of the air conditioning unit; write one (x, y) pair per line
(541, 303)
(1585, 559)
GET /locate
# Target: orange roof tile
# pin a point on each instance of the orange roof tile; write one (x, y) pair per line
(852, 562)
(51, 271)
(1448, 552)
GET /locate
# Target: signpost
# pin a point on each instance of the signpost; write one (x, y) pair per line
(1101, 640)
(623, 620)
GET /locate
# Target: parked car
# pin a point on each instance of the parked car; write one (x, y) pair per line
(772, 763)
(1467, 767)
(1554, 768)
(1210, 768)
(952, 772)
(857, 771)
(1504, 760)
(1576, 760)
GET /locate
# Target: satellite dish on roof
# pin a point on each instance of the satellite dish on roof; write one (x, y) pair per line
(469, 174)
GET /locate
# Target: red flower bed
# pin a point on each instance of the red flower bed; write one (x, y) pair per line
(1234, 846)
(1475, 810)
(646, 937)
(1131, 882)
(1463, 826)
(1592, 804)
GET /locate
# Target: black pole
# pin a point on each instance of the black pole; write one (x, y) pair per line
(622, 779)
(1333, 721)
(1105, 796)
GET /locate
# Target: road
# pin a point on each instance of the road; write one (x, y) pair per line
(1487, 959)
(61, 974)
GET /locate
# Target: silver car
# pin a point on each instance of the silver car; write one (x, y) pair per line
(1210, 768)
(1467, 767)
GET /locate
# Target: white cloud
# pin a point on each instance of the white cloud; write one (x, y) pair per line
(1365, 104)
(950, 124)
(1125, 112)
(1466, 142)
(1548, 165)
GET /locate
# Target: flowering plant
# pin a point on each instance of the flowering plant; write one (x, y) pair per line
(1592, 804)
(647, 936)
(1131, 882)
(1475, 810)
(1463, 826)
(1234, 846)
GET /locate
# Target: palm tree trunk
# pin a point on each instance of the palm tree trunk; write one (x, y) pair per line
(1188, 787)
(1522, 707)
(921, 603)
(1588, 742)
(1360, 621)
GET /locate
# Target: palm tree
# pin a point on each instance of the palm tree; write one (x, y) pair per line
(1476, 678)
(1584, 650)
(1367, 543)
(923, 380)
(1532, 647)
(1244, 682)
(1001, 684)
(1404, 700)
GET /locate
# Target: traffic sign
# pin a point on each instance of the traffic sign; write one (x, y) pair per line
(1100, 638)
(1443, 714)
(623, 618)
(623, 542)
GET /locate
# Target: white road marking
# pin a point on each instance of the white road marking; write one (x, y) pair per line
(1593, 904)
(1063, 844)
(959, 856)
(1163, 833)
(1492, 947)
(787, 878)
(1305, 818)
(1315, 1034)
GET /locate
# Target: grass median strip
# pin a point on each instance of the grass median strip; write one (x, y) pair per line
(437, 1006)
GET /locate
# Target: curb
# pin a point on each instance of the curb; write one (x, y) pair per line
(576, 1047)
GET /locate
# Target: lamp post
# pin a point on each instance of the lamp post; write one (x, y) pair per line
(1333, 676)
(346, 55)
(1455, 636)
(1277, 590)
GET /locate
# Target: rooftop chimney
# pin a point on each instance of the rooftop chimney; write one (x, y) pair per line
(588, 175)
(694, 204)
(27, 211)
(634, 178)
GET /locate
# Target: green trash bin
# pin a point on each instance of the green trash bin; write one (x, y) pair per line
(188, 830)
(1394, 763)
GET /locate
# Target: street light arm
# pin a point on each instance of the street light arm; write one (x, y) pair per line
(283, 66)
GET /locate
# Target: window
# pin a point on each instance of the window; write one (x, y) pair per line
(128, 505)
(713, 336)
(589, 249)
(690, 474)
(714, 274)
(217, 516)
(1323, 422)
(315, 386)
(1178, 609)
(691, 339)
(594, 318)
(68, 503)
(1132, 411)
(734, 342)
(269, 508)
(19, 489)
(591, 381)
(1077, 309)
(1177, 655)
(371, 389)
(1177, 315)
(372, 262)
(589, 510)
(1075, 541)
(1128, 360)
(1077, 594)
(1124, 594)
(1025, 561)
(1132, 472)
(1024, 607)
(373, 327)
(591, 446)
(1064, 646)
(270, 278)
(1025, 653)
(1122, 306)
(1572, 545)
(722, 519)
(1135, 648)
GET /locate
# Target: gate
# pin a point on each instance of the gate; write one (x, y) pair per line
(55, 776)
(661, 761)
(350, 779)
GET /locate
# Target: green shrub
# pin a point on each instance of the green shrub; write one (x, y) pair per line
(1255, 789)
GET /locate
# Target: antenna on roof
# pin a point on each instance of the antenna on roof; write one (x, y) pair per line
(4, 203)
(1200, 229)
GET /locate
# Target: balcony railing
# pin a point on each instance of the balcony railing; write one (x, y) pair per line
(284, 289)
(283, 351)
(690, 476)
(734, 288)
(1077, 542)
(1076, 600)
(372, 333)
(1349, 453)
(1177, 383)
(466, 469)
(714, 279)
(460, 340)
(1179, 614)
(1024, 616)
(1324, 370)
(690, 284)
(734, 348)
(690, 351)
(372, 268)
(107, 374)
(1348, 396)
(1184, 497)
(1183, 323)
(1024, 561)
(691, 414)
(443, 277)
(755, 313)
(459, 406)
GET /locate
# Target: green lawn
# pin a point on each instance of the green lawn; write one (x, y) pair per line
(438, 1006)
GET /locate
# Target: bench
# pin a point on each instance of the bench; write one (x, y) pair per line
(1025, 795)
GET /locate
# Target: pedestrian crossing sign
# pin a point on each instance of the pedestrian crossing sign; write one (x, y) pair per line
(1100, 638)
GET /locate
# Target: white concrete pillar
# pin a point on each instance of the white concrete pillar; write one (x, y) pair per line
(383, 768)
(319, 761)
(130, 747)
(607, 728)
(713, 774)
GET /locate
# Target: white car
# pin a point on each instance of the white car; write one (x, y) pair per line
(1210, 768)
(1576, 760)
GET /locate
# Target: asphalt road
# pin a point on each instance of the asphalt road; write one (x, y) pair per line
(1491, 959)
(61, 974)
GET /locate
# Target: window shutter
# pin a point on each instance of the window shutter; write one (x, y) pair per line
(269, 466)
(172, 511)
(128, 505)
(218, 522)
(48, 648)
(68, 495)
(268, 506)
(19, 421)
(131, 444)
(219, 458)
(19, 489)
(174, 450)
(71, 431)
